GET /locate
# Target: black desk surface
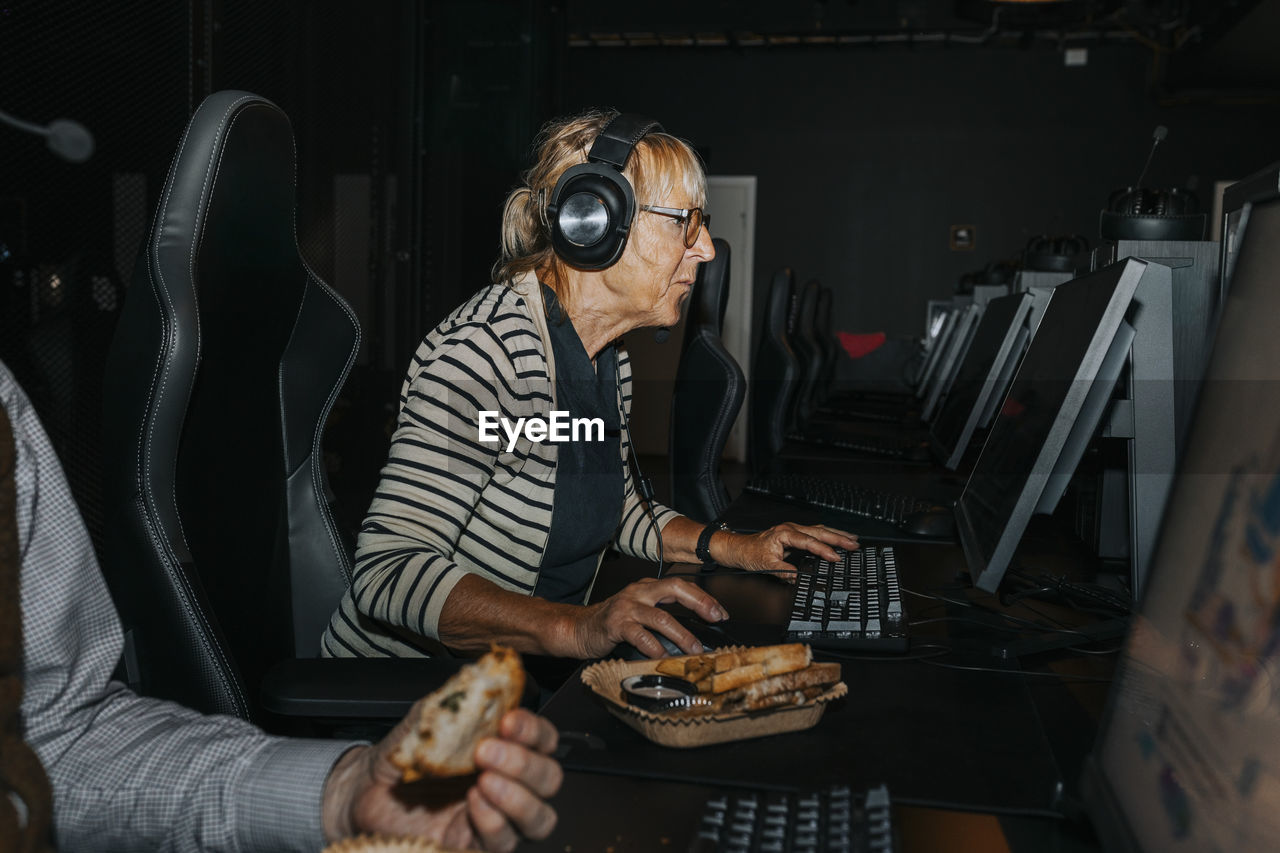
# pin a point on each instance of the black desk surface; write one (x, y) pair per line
(954, 745)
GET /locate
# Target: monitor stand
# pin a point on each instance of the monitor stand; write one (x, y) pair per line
(1144, 418)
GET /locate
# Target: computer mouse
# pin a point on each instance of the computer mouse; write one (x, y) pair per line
(705, 633)
(938, 523)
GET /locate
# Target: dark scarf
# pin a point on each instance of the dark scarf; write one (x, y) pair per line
(20, 770)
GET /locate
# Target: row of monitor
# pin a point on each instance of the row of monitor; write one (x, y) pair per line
(1054, 405)
(1185, 757)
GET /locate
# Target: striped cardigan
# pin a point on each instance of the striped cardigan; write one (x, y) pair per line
(449, 504)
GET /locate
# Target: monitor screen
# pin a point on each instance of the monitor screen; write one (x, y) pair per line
(1038, 413)
(950, 360)
(1187, 756)
(978, 376)
(940, 341)
(1262, 184)
(1006, 374)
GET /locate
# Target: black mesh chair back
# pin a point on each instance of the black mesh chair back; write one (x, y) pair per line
(826, 335)
(808, 352)
(774, 374)
(222, 553)
(708, 395)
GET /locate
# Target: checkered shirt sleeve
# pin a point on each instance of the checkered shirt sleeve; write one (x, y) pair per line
(129, 772)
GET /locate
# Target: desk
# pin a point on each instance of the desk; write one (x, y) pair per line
(619, 814)
(953, 745)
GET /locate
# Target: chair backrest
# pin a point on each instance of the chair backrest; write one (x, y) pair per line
(808, 351)
(708, 395)
(774, 373)
(222, 553)
(827, 340)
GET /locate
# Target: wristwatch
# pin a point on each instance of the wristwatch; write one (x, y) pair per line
(704, 543)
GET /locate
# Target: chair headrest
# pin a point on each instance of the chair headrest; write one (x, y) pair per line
(807, 314)
(711, 293)
(826, 300)
(777, 309)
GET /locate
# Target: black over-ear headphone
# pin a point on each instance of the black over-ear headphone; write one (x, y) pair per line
(592, 206)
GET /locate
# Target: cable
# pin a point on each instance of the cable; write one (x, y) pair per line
(1116, 650)
(1024, 672)
(939, 652)
(642, 482)
(984, 808)
(965, 619)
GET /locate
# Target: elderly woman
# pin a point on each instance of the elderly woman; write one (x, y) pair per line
(489, 523)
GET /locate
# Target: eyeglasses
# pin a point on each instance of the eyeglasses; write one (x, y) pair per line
(693, 218)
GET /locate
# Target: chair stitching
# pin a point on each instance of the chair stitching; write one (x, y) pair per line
(194, 612)
(160, 219)
(155, 274)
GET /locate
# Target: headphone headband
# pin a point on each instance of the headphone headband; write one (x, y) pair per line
(619, 137)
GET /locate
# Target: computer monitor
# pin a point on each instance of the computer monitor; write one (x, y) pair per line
(979, 374)
(1261, 184)
(934, 311)
(1186, 756)
(1037, 416)
(940, 341)
(1087, 422)
(950, 360)
(1005, 376)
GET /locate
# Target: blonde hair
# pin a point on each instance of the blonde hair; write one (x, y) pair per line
(658, 164)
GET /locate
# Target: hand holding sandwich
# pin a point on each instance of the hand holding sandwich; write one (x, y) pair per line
(437, 746)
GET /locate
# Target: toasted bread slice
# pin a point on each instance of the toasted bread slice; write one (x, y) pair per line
(757, 664)
(453, 719)
(794, 685)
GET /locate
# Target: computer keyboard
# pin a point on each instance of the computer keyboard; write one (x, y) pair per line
(889, 447)
(855, 603)
(842, 496)
(833, 820)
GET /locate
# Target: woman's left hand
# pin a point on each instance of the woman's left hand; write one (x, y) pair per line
(764, 551)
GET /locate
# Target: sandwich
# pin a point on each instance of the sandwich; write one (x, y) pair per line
(441, 742)
(752, 679)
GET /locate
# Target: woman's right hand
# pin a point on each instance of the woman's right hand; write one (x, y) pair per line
(632, 616)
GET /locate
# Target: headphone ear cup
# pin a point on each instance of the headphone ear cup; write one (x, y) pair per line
(590, 215)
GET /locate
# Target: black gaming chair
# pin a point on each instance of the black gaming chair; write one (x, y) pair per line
(804, 341)
(774, 374)
(826, 336)
(708, 395)
(222, 554)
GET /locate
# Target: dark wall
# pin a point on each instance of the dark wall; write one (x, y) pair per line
(866, 157)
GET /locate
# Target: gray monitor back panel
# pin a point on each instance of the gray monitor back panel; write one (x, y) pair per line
(1196, 298)
(950, 363)
(978, 378)
(1005, 377)
(940, 342)
(1042, 405)
(1088, 421)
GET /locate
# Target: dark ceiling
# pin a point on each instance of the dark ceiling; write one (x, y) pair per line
(1200, 43)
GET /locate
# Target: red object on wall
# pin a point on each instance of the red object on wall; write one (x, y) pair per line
(858, 345)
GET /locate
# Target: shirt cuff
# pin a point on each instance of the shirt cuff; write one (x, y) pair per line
(278, 806)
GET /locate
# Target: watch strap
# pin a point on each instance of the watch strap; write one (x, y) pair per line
(703, 551)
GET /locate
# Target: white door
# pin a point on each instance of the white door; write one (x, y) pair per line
(731, 201)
